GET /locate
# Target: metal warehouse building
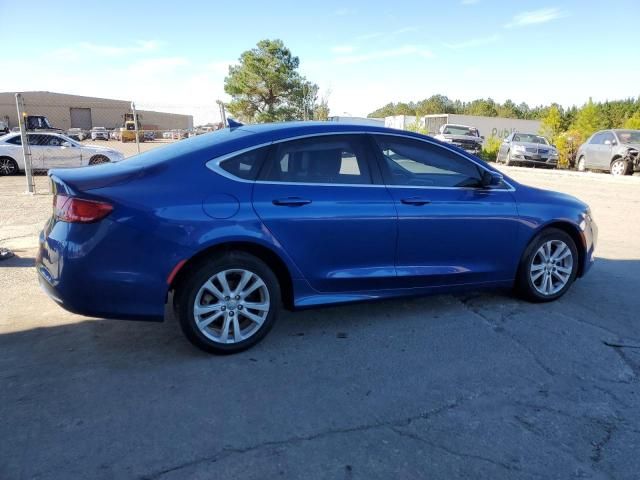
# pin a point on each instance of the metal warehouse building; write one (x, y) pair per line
(68, 111)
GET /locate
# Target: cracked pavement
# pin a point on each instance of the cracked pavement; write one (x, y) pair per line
(475, 385)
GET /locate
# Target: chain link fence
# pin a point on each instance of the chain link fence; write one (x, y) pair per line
(49, 130)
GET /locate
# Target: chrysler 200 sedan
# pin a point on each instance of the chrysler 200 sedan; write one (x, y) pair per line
(232, 225)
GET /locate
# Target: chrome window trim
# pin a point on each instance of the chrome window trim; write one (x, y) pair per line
(214, 164)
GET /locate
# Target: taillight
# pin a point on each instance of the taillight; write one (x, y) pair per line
(77, 210)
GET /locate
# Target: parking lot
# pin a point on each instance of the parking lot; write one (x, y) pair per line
(478, 385)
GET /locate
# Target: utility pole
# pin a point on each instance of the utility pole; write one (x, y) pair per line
(223, 115)
(135, 123)
(26, 149)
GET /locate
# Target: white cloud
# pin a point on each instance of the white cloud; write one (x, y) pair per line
(140, 46)
(474, 42)
(535, 17)
(156, 66)
(393, 33)
(221, 67)
(342, 12)
(402, 51)
(343, 49)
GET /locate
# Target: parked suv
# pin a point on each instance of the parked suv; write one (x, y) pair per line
(462, 136)
(99, 133)
(527, 149)
(615, 151)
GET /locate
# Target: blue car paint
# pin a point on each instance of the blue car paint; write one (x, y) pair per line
(351, 243)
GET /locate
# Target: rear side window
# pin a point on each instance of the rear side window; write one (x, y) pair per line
(331, 159)
(246, 165)
(17, 140)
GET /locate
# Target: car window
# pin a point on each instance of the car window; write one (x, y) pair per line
(53, 141)
(607, 136)
(17, 140)
(597, 139)
(246, 165)
(416, 163)
(339, 159)
(37, 139)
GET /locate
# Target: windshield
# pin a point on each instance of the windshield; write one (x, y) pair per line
(629, 136)
(460, 130)
(529, 138)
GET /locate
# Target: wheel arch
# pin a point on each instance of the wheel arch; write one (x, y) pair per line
(574, 232)
(273, 260)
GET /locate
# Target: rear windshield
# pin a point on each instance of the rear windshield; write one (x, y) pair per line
(460, 130)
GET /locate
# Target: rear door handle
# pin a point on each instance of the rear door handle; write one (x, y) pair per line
(415, 201)
(291, 202)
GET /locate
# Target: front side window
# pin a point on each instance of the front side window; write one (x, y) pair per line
(608, 136)
(416, 163)
(246, 165)
(54, 141)
(332, 159)
(597, 139)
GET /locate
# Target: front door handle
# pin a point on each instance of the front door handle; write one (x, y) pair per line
(415, 201)
(291, 202)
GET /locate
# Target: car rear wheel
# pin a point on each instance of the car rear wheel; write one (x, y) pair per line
(98, 159)
(548, 267)
(8, 166)
(229, 303)
(582, 166)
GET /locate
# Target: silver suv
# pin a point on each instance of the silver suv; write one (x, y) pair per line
(615, 151)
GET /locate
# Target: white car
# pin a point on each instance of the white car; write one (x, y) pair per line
(99, 133)
(51, 150)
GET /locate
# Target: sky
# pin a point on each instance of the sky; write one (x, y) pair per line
(362, 54)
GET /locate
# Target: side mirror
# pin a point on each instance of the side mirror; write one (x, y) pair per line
(482, 137)
(66, 144)
(607, 142)
(491, 179)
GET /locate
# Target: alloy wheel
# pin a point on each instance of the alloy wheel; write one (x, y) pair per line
(618, 167)
(231, 306)
(7, 166)
(551, 267)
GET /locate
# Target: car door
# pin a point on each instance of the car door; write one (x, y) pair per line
(60, 153)
(451, 231)
(326, 206)
(605, 148)
(504, 148)
(37, 145)
(592, 150)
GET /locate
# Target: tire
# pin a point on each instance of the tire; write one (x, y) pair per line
(582, 164)
(531, 282)
(619, 167)
(8, 166)
(230, 311)
(507, 159)
(98, 159)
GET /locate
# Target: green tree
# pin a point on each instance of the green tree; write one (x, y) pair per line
(267, 87)
(633, 122)
(551, 123)
(588, 120)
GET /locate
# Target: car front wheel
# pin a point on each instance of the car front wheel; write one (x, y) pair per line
(548, 267)
(619, 167)
(228, 304)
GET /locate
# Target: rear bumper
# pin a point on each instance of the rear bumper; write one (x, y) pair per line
(81, 269)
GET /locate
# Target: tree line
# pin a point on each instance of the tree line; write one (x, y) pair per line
(567, 128)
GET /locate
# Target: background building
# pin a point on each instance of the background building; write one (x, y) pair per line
(66, 111)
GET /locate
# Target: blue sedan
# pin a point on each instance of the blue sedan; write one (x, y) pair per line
(240, 222)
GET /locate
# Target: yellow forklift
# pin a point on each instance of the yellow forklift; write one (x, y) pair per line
(128, 130)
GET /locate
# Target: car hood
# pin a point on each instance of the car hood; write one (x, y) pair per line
(459, 137)
(631, 145)
(533, 145)
(99, 149)
(551, 196)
